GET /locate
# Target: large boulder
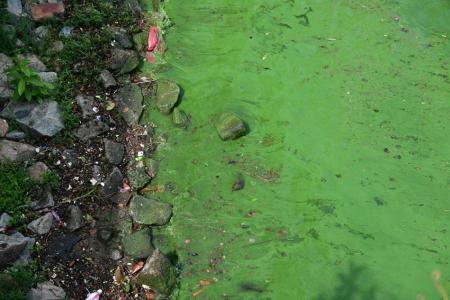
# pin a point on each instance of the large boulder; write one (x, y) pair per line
(138, 244)
(230, 126)
(129, 102)
(167, 95)
(123, 61)
(46, 291)
(158, 274)
(10, 248)
(14, 151)
(180, 118)
(42, 119)
(149, 212)
(91, 129)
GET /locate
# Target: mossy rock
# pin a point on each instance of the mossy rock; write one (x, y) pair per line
(140, 41)
(230, 126)
(180, 118)
(167, 96)
(150, 212)
(138, 244)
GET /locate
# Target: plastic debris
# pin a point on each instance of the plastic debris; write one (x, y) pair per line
(153, 42)
(95, 295)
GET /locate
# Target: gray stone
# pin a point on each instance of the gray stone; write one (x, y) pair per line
(4, 221)
(25, 257)
(40, 33)
(129, 102)
(75, 218)
(167, 95)
(50, 77)
(97, 173)
(104, 234)
(230, 126)
(35, 63)
(122, 37)
(158, 274)
(14, 151)
(16, 135)
(71, 158)
(91, 129)
(41, 225)
(3, 127)
(140, 41)
(150, 212)
(107, 79)
(138, 244)
(114, 151)
(134, 6)
(46, 291)
(5, 90)
(37, 171)
(57, 46)
(180, 118)
(14, 7)
(116, 254)
(10, 248)
(87, 104)
(123, 61)
(121, 198)
(44, 200)
(66, 31)
(113, 183)
(137, 174)
(42, 119)
(152, 167)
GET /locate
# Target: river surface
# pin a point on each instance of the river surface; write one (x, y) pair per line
(346, 167)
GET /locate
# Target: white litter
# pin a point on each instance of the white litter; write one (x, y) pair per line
(95, 295)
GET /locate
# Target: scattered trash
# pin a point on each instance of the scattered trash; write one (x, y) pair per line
(125, 187)
(153, 42)
(95, 295)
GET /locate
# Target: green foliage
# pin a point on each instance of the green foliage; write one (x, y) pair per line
(51, 179)
(28, 86)
(14, 192)
(16, 282)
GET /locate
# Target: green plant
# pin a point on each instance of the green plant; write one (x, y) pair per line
(14, 192)
(16, 282)
(51, 179)
(27, 83)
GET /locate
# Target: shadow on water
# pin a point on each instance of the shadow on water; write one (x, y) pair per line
(353, 284)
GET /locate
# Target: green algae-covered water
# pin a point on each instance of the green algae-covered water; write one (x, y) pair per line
(346, 167)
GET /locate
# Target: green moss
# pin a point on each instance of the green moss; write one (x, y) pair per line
(15, 283)
(14, 192)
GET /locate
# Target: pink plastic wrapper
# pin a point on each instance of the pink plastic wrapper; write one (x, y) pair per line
(153, 39)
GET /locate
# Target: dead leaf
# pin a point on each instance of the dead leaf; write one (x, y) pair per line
(119, 276)
(150, 295)
(195, 294)
(206, 282)
(137, 267)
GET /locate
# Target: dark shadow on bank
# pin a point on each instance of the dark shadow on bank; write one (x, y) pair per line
(353, 284)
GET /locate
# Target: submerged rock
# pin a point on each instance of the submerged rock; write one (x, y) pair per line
(14, 151)
(230, 126)
(158, 273)
(138, 244)
(149, 212)
(91, 129)
(42, 119)
(46, 291)
(129, 102)
(114, 151)
(167, 95)
(124, 61)
(180, 118)
(41, 225)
